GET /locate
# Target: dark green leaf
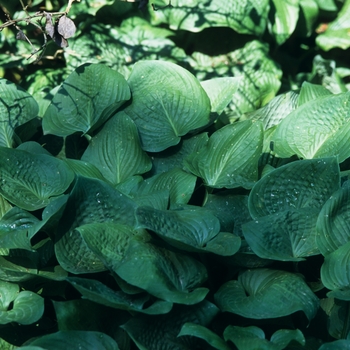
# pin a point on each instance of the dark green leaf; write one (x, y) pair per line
(161, 115)
(264, 293)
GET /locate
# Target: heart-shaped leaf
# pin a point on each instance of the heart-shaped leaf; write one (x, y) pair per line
(30, 180)
(164, 115)
(86, 99)
(265, 293)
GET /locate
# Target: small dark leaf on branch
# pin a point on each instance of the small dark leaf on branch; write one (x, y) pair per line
(66, 27)
(60, 40)
(49, 27)
(21, 36)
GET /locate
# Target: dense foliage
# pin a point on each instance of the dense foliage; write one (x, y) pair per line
(176, 177)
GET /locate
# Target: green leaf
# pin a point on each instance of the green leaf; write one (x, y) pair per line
(116, 150)
(245, 17)
(333, 227)
(158, 271)
(337, 33)
(30, 180)
(86, 99)
(220, 92)
(265, 293)
(191, 229)
(309, 92)
(254, 338)
(300, 184)
(164, 95)
(199, 331)
(91, 201)
(285, 21)
(28, 307)
(276, 110)
(319, 128)
(334, 274)
(230, 158)
(285, 236)
(84, 169)
(16, 108)
(179, 183)
(161, 332)
(100, 293)
(341, 344)
(82, 340)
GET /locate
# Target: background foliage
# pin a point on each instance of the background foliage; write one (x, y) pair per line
(177, 177)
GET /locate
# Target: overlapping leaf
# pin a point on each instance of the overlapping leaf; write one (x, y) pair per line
(30, 180)
(27, 307)
(190, 229)
(230, 158)
(86, 99)
(164, 115)
(300, 184)
(317, 129)
(91, 201)
(265, 293)
(116, 150)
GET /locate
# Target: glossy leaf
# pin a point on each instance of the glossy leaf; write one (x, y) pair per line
(265, 293)
(333, 228)
(300, 184)
(286, 236)
(341, 344)
(190, 229)
(161, 115)
(160, 272)
(91, 201)
(317, 129)
(116, 150)
(150, 333)
(99, 293)
(86, 99)
(309, 92)
(27, 307)
(30, 180)
(230, 158)
(16, 108)
(75, 340)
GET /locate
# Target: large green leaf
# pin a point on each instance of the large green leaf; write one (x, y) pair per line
(116, 150)
(167, 103)
(334, 272)
(286, 236)
(179, 183)
(27, 306)
(30, 180)
(300, 184)
(246, 17)
(86, 99)
(16, 108)
(191, 229)
(162, 273)
(333, 226)
(230, 158)
(309, 92)
(91, 201)
(337, 33)
(99, 293)
(265, 293)
(161, 332)
(341, 344)
(319, 128)
(75, 340)
(249, 338)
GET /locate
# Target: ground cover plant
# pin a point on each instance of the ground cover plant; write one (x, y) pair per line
(175, 176)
